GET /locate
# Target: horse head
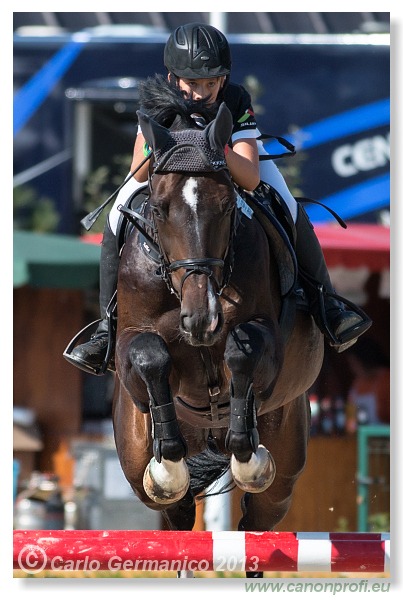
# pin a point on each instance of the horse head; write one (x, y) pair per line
(192, 199)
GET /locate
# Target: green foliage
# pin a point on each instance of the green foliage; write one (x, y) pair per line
(256, 89)
(101, 183)
(32, 213)
(342, 525)
(290, 168)
(379, 522)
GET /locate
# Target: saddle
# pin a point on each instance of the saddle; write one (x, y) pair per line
(274, 216)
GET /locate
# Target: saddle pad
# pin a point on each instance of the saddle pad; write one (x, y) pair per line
(279, 242)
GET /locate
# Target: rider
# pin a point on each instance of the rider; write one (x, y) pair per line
(198, 60)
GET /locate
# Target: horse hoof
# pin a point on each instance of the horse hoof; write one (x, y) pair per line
(257, 474)
(166, 482)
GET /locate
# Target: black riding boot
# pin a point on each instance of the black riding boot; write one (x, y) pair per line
(340, 325)
(92, 354)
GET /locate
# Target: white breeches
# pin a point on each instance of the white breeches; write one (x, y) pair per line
(127, 190)
(270, 174)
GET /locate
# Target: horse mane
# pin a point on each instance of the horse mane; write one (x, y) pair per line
(164, 102)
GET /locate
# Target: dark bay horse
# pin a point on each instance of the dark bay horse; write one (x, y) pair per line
(205, 379)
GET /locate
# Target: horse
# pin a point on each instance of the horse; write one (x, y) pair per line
(206, 380)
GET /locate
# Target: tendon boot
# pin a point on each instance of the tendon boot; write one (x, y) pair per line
(341, 324)
(91, 355)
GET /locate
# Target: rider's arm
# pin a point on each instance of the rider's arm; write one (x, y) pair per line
(243, 163)
(139, 153)
(243, 158)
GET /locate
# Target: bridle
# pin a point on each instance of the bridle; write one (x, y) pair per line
(192, 266)
(198, 266)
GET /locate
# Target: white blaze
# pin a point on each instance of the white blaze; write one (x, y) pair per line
(189, 193)
(191, 198)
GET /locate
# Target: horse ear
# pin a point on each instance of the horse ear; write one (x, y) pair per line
(219, 131)
(155, 134)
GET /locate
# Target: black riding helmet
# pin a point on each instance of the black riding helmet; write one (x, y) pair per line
(197, 51)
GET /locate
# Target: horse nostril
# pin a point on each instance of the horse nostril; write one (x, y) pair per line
(185, 322)
(214, 324)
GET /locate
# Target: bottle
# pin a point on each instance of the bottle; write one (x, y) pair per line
(351, 418)
(41, 505)
(315, 413)
(362, 415)
(339, 416)
(326, 416)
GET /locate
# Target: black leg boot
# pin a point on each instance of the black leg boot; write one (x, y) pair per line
(91, 355)
(340, 325)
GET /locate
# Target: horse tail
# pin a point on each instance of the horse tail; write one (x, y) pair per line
(207, 468)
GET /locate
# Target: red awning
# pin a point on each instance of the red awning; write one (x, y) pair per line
(360, 245)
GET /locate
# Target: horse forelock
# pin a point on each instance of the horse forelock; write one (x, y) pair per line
(166, 103)
(187, 149)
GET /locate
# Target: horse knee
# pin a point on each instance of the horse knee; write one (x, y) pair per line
(150, 357)
(244, 348)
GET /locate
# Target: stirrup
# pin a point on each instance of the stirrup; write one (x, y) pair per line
(347, 339)
(67, 354)
(73, 343)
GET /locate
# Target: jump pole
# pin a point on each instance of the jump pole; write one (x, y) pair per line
(35, 551)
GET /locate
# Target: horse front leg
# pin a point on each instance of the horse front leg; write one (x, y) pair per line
(250, 355)
(166, 478)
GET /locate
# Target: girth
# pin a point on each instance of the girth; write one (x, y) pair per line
(213, 416)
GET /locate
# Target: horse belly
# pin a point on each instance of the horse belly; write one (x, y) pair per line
(302, 362)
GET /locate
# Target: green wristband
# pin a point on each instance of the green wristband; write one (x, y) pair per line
(146, 150)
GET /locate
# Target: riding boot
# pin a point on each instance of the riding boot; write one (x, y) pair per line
(340, 325)
(92, 354)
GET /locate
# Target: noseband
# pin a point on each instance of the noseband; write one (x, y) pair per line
(197, 266)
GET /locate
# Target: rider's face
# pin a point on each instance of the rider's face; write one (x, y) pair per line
(201, 88)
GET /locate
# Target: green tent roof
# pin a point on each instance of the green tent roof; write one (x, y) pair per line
(54, 261)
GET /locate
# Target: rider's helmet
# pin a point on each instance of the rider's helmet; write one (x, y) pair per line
(197, 51)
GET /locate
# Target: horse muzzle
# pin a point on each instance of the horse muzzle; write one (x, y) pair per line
(201, 317)
(199, 331)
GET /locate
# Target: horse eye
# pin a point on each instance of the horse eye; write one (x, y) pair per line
(158, 212)
(227, 206)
